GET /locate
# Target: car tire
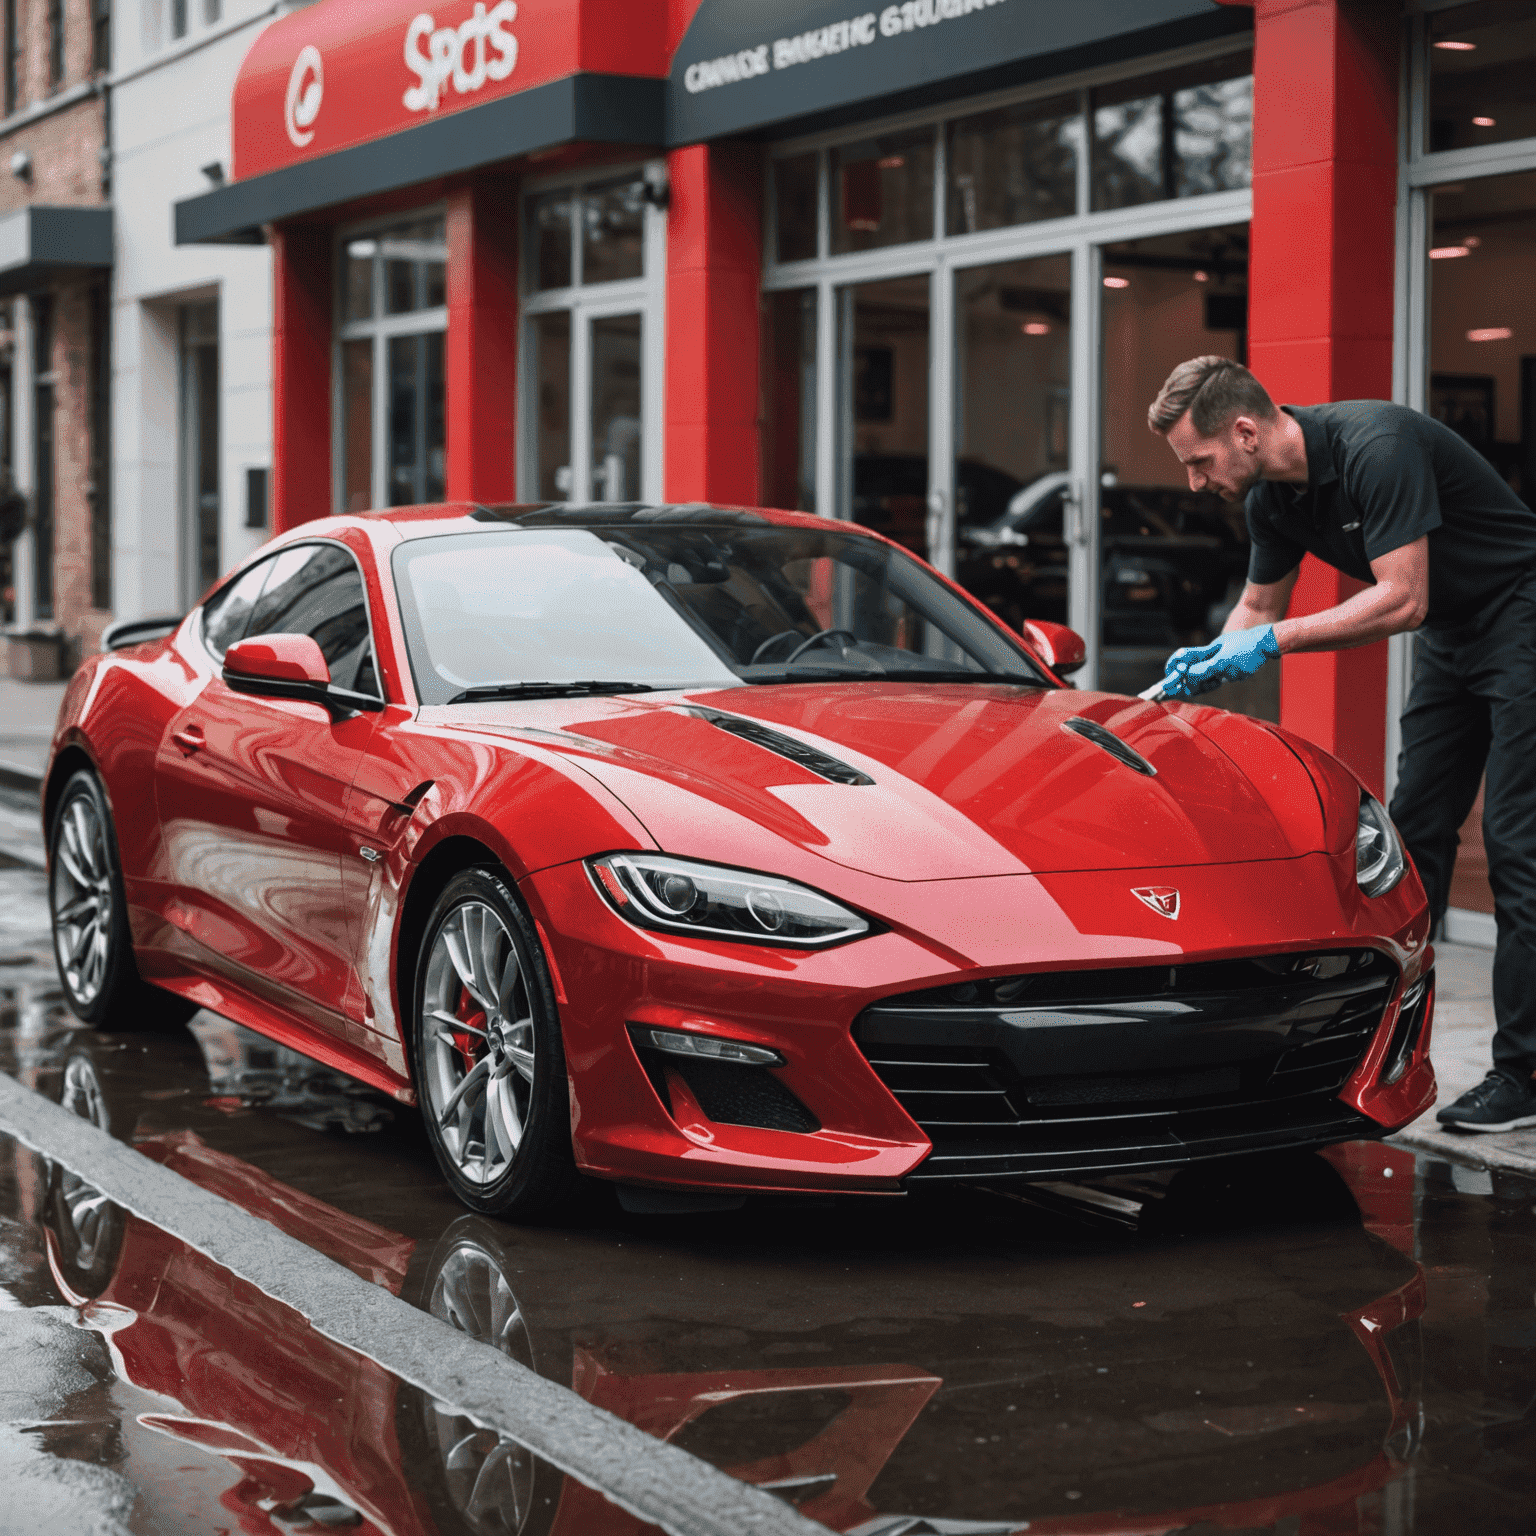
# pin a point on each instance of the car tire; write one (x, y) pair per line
(92, 944)
(489, 1059)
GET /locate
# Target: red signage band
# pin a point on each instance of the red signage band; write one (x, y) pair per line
(348, 71)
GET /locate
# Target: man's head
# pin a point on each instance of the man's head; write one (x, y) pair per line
(1215, 415)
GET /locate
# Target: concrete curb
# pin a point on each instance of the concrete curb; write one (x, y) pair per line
(1470, 1150)
(648, 1478)
(25, 779)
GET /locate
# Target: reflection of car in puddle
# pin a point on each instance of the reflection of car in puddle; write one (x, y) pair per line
(246, 1071)
(315, 1436)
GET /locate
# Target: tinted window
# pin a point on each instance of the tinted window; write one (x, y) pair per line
(317, 590)
(227, 613)
(667, 607)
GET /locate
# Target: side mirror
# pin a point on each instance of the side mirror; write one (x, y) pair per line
(289, 667)
(1063, 650)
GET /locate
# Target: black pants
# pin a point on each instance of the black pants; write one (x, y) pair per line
(1472, 708)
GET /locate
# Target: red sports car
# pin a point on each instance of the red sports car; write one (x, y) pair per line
(709, 851)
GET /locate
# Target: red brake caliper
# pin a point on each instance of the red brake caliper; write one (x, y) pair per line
(469, 1046)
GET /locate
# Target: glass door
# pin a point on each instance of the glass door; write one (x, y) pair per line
(883, 347)
(1171, 563)
(1012, 436)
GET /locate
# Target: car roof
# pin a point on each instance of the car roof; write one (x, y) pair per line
(468, 517)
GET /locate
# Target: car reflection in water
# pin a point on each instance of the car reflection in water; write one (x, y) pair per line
(315, 1437)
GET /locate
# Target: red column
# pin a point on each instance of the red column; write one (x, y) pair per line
(714, 259)
(481, 348)
(1321, 276)
(301, 374)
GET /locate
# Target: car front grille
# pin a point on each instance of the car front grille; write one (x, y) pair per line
(1079, 1071)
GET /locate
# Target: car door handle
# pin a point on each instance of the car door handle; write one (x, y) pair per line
(190, 740)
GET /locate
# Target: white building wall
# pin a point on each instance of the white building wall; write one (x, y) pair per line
(170, 118)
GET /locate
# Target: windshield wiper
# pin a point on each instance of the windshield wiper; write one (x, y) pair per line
(515, 688)
(896, 675)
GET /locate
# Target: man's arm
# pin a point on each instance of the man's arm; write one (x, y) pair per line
(1262, 603)
(1397, 603)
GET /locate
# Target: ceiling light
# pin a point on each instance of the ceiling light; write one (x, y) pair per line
(1202, 277)
(1035, 328)
(892, 162)
(1472, 242)
(1451, 47)
(1448, 252)
(1117, 282)
(1484, 122)
(1490, 333)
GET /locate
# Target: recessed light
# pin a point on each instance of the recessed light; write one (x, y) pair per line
(1485, 122)
(1202, 277)
(1035, 328)
(892, 162)
(1490, 333)
(1448, 252)
(1451, 47)
(1472, 242)
(1117, 282)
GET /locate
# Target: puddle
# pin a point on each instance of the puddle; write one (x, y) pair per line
(1308, 1344)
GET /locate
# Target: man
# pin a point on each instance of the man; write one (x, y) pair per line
(1402, 503)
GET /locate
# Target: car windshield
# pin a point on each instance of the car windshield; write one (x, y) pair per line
(670, 607)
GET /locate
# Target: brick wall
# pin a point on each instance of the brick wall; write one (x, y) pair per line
(61, 127)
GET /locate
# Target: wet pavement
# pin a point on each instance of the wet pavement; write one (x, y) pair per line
(1308, 1345)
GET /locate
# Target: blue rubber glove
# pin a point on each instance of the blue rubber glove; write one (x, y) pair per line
(1197, 669)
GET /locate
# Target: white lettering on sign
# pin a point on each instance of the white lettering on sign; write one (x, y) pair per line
(478, 49)
(306, 90)
(823, 42)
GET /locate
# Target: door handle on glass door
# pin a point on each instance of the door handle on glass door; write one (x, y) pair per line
(190, 740)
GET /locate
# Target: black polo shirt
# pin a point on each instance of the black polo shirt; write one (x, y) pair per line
(1380, 476)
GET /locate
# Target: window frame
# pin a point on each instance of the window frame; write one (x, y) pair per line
(585, 302)
(269, 556)
(379, 329)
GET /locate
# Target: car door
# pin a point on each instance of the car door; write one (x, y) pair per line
(251, 794)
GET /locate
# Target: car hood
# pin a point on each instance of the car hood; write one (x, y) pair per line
(947, 782)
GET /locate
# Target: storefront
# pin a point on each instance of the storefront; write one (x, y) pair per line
(921, 266)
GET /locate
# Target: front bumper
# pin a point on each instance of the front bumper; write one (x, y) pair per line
(639, 1119)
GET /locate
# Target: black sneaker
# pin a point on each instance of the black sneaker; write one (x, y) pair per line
(1499, 1103)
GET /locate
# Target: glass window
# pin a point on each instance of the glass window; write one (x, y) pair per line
(616, 430)
(416, 428)
(1013, 416)
(1014, 165)
(789, 399)
(613, 231)
(317, 590)
(200, 446)
(883, 191)
(794, 194)
(1482, 320)
(549, 226)
(663, 606)
(227, 613)
(552, 353)
(357, 424)
(1172, 562)
(390, 436)
(1481, 59)
(1180, 133)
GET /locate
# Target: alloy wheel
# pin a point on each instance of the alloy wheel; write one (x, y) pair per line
(477, 1042)
(81, 895)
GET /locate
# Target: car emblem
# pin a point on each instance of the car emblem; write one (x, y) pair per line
(1163, 899)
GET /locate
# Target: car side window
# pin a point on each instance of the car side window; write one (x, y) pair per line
(317, 590)
(227, 614)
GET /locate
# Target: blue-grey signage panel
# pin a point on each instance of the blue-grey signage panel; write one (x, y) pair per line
(743, 65)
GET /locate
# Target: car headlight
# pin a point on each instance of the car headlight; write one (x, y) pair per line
(678, 895)
(1379, 859)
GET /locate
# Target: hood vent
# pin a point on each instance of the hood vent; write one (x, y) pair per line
(1091, 730)
(759, 735)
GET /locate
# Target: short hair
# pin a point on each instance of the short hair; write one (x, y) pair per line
(1213, 390)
